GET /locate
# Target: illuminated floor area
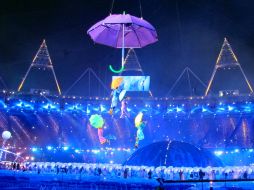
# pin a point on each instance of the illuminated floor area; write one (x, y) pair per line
(33, 180)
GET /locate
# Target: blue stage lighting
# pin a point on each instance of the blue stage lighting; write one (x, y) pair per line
(77, 151)
(3, 105)
(47, 106)
(170, 110)
(34, 149)
(23, 105)
(76, 107)
(88, 110)
(218, 152)
(95, 151)
(65, 148)
(179, 109)
(204, 109)
(50, 106)
(96, 109)
(248, 108)
(49, 147)
(19, 104)
(195, 109)
(230, 108)
(103, 108)
(220, 109)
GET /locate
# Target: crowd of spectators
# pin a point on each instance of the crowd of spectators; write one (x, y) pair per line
(123, 171)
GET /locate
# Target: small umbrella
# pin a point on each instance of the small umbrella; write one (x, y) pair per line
(96, 121)
(122, 95)
(138, 119)
(116, 82)
(123, 31)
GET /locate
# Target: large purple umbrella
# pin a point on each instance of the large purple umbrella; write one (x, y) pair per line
(123, 31)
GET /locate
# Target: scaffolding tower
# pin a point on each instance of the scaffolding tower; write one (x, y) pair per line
(90, 72)
(227, 59)
(187, 71)
(131, 62)
(41, 60)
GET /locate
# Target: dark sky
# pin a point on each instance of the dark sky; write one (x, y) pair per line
(190, 32)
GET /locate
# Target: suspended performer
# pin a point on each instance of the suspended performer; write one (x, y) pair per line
(117, 86)
(97, 122)
(124, 111)
(123, 100)
(140, 125)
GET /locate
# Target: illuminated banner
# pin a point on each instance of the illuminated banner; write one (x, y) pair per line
(134, 83)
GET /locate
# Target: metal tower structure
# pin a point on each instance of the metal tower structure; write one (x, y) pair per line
(131, 62)
(226, 59)
(3, 83)
(41, 60)
(89, 72)
(189, 73)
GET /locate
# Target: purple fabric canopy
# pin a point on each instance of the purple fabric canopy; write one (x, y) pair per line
(137, 32)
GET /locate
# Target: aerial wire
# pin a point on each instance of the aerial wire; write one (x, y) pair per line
(112, 6)
(140, 9)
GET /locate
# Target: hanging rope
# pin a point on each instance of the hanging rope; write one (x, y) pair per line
(140, 9)
(112, 6)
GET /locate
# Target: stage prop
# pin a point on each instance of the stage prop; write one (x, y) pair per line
(140, 125)
(134, 83)
(123, 31)
(42, 61)
(172, 153)
(227, 60)
(97, 122)
(6, 135)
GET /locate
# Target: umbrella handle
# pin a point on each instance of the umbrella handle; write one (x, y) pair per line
(122, 67)
(116, 71)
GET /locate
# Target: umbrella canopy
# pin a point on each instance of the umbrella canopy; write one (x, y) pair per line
(137, 32)
(123, 31)
(138, 119)
(116, 82)
(96, 121)
(122, 95)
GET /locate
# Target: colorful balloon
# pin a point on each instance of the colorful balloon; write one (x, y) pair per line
(6, 135)
(96, 121)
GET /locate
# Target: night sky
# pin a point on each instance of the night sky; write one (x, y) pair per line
(190, 33)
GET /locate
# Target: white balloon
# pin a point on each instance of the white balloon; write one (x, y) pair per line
(6, 135)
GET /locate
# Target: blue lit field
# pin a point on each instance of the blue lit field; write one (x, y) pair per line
(221, 124)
